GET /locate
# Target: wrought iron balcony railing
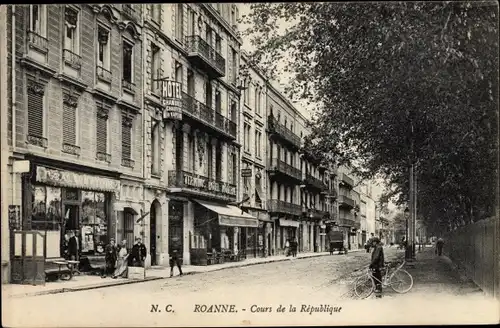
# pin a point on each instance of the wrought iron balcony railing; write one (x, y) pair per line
(72, 59)
(103, 74)
(70, 149)
(346, 201)
(198, 47)
(188, 180)
(103, 157)
(37, 140)
(284, 168)
(283, 132)
(206, 114)
(127, 162)
(314, 182)
(279, 206)
(37, 41)
(129, 86)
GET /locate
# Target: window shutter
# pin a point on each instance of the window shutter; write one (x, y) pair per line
(102, 133)
(69, 124)
(35, 113)
(126, 137)
(230, 63)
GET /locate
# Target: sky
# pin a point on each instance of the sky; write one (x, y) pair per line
(282, 77)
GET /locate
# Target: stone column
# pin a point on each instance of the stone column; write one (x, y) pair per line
(163, 225)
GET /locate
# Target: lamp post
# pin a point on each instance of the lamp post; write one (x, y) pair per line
(406, 216)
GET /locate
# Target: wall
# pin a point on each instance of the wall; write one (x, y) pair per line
(475, 249)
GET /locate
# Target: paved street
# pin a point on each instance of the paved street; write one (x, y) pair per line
(316, 281)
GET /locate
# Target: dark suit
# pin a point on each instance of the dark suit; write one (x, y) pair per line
(175, 260)
(110, 258)
(376, 265)
(138, 255)
(73, 248)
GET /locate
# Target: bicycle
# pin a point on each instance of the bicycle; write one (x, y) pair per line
(364, 286)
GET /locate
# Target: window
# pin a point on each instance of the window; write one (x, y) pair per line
(191, 153)
(246, 137)
(191, 89)
(178, 72)
(38, 19)
(218, 43)
(233, 15)
(234, 111)
(156, 13)
(36, 105)
(72, 31)
(102, 135)
(218, 161)
(256, 140)
(234, 62)
(258, 100)
(247, 93)
(69, 120)
(179, 23)
(210, 157)
(258, 144)
(155, 68)
(234, 163)
(191, 22)
(208, 34)
(218, 101)
(126, 139)
(127, 65)
(103, 54)
(155, 147)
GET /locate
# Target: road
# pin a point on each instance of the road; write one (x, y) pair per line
(255, 291)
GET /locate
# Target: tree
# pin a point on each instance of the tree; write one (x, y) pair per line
(396, 83)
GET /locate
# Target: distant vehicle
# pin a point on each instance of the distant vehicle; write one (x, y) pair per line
(336, 242)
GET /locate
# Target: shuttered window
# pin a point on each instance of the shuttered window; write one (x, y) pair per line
(69, 124)
(126, 137)
(102, 133)
(35, 112)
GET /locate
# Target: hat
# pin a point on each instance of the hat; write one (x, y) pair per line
(375, 240)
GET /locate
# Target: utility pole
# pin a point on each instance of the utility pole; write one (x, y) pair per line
(411, 225)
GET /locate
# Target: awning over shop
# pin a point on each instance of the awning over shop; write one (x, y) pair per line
(231, 215)
(289, 223)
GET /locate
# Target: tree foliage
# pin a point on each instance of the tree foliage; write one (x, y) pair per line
(396, 83)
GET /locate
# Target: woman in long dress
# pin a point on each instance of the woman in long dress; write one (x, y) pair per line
(122, 262)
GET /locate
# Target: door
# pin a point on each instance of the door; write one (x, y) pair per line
(152, 233)
(176, 227)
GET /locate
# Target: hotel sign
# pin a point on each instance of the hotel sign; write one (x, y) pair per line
(172, 100)
(205, 184)
(76, 180)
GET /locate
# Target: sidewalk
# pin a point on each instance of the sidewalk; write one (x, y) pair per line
(85, 282)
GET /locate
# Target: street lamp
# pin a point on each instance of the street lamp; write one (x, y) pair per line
(406, 216)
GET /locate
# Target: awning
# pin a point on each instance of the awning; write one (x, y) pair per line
(231, 215)
(289, 223)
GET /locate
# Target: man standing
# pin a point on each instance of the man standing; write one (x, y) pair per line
(369, 243)
(73, 246)
(439, 246)
(110, 258)
(175, 261)
(377, 264)
(138, 253)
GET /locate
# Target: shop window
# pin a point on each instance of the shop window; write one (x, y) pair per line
(94, 223)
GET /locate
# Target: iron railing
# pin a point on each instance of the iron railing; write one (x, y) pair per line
(103, 157)
(199, 110)
(103, 74)
(196, 45)
(281, 166)
(185, 179)
(314, 182)
(280, 206)
(37, 140)
(129, 86)
(35, 40)
(72, 59)
(127, 162)
(283, 131)
(70, 149)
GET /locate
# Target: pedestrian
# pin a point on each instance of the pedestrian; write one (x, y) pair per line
(175, 260)
(294, 245)
(377, 264)
(287, 247)
(73, 246)
(369, 242)
(439, 246)
(122, 262)
(111, 256)
(138, 254)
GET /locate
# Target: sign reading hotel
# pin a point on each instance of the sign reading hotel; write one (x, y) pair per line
(172, 100)
(204, 184)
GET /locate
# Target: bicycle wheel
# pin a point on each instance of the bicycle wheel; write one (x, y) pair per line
(401, 281)
(364, 286)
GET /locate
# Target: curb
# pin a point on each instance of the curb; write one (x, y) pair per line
(147, 279)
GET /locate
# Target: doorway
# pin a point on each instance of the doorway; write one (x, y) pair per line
(154, 211)
(176, 227)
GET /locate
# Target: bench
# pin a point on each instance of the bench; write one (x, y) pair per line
(58, 269)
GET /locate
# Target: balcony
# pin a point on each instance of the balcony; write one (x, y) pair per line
(38, 42)
(205, 56)
(198, 183)
(206, 115)
(314, 183)
(71, 59)
(71, 149)
(282, 169)
(37, 140)
(103, 157)
(279, 206)
(283, 132)
(345, 179)
(103, 74)
(128, 86)
(315, 214)
(128, 163)
(346, 221)
(345, 201)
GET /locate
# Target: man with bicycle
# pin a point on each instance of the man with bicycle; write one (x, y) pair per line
(376, 264)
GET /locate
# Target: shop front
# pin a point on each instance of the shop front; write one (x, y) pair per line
(286, 230)
(65, 203)
(221, 233)
(258, 241)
